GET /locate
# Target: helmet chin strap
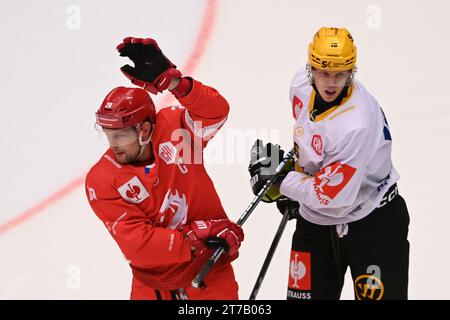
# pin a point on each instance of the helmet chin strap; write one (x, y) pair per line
(143, 144)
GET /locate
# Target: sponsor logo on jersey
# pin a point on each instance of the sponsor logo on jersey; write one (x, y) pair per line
(92, 195)
(331, 180)
(173, 211)
(369, 287)
(297, 106)
(169, 153)
(316, 144)
(389, 196)
(171, 242)
(298, 295)
(133, 191)
(332, 117)
(300, 271)
(299, 131)
(384, 182)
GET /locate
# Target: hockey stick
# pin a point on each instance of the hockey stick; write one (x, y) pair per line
(198, 282)
(270, 254)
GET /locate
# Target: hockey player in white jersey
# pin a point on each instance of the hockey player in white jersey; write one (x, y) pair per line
(342, 189)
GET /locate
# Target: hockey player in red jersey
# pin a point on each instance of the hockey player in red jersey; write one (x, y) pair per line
(150, 188)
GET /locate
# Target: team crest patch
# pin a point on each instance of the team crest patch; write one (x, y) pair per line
(133, 191)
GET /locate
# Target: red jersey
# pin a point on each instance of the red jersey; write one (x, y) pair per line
(143, 207)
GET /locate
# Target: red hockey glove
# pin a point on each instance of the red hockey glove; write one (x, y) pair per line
(152, 70)
(213, 233)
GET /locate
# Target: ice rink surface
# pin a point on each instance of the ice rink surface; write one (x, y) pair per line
(59, 61)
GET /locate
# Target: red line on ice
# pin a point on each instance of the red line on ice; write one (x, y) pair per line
(203, 37)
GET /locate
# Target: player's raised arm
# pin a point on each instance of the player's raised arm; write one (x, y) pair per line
(206, 109)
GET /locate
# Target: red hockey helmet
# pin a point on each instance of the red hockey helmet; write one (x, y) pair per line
(124, 107)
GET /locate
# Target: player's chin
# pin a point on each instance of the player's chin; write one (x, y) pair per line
(121, 157)
(329, 95)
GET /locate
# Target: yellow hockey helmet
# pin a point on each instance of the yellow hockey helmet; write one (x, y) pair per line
(332, 49)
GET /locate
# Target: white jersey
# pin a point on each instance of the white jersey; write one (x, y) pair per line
(343, 156)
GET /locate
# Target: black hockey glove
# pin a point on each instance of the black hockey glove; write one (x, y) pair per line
(263, 162)
(286, 203)
(152, 69)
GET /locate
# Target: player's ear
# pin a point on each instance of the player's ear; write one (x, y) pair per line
(147, 129)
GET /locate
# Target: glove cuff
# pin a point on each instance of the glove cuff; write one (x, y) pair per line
(183, 88)
(163, 81)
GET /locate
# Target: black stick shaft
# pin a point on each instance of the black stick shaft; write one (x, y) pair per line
(270, 254)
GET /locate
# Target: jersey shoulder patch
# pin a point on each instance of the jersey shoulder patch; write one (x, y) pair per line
(297, 106)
